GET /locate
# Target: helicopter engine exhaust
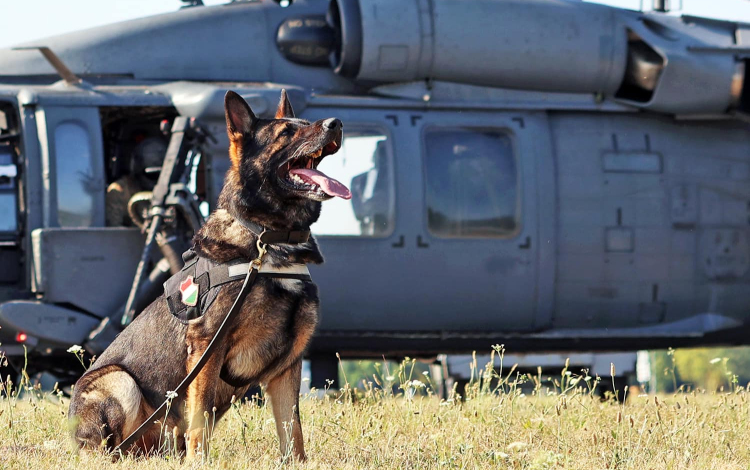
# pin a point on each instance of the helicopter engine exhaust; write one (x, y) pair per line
(676, 65)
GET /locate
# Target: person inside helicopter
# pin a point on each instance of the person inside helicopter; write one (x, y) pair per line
(145, 165)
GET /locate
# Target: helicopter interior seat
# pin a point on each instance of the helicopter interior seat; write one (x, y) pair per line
(88, 268)
(370, 194)
(143, 167)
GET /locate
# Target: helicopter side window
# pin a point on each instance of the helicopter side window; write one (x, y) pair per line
(363, 164)
(8, 175)
(471, 183)
(76, 182)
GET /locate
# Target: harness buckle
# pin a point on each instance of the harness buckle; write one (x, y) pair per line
(258, 262)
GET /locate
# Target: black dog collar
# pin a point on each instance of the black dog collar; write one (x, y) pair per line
(292, 237)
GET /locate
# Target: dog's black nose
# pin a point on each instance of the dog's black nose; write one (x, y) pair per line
(332, 124)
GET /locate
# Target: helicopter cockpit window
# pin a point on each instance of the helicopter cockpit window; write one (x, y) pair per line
(472, 183)
(363, 164)
(77, 184)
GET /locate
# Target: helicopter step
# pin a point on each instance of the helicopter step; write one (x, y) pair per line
(42, 325)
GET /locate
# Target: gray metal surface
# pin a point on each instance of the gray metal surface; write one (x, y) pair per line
(220, 43)
(688, 220)
(682, 65)
(90, 269)
(53, 326)
(540, 45)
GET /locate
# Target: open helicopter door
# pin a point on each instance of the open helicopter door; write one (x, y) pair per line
(76, 259)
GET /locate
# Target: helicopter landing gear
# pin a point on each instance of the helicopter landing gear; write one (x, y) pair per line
(324, 371)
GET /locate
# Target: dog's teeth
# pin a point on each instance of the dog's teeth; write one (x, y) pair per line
(302, 184)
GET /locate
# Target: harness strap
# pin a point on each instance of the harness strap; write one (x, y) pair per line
(250, 277)
(236, 271)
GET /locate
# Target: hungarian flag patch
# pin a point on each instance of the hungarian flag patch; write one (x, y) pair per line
(189, 291)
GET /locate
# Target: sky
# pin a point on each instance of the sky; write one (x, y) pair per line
(26, 20)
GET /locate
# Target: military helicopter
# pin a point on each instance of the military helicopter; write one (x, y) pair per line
(546, 174)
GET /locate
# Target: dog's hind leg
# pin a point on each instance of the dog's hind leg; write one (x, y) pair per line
(284, 393)
(105, 408)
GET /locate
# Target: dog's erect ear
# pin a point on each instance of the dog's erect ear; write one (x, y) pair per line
(240, 118)
(285, 107)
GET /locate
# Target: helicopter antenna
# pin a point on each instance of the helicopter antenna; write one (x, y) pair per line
(191, 3)
(59, 66)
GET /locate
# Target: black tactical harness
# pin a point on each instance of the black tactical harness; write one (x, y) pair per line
(209, 277)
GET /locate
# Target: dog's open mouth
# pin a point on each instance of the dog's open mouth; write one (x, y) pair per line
(301, 173)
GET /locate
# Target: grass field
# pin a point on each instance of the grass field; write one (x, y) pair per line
(505, 420)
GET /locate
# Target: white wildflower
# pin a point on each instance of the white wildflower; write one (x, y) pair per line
(415, 384)
(517, 445)
(171, 395)
(50, 444)
(715, 360)
(75, 349)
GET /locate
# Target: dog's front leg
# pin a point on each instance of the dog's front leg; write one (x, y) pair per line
(284, 393)
(201, 396)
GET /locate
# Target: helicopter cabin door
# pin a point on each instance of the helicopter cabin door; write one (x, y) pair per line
(475, 233)
(440, 234)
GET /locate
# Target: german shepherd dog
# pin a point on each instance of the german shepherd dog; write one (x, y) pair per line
(273, 182)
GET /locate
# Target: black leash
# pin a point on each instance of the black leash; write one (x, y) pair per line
(252, 274)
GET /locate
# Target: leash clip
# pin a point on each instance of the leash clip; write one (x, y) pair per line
(258, 262)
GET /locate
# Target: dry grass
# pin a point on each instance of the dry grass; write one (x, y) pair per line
(549, 423)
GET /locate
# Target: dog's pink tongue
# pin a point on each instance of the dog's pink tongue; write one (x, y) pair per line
(329, 185)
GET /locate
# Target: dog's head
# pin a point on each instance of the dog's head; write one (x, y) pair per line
(274, 163)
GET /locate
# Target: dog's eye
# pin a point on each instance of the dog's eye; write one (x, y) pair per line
(287, 131)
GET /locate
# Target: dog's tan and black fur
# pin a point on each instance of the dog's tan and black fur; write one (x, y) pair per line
(266, 342)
